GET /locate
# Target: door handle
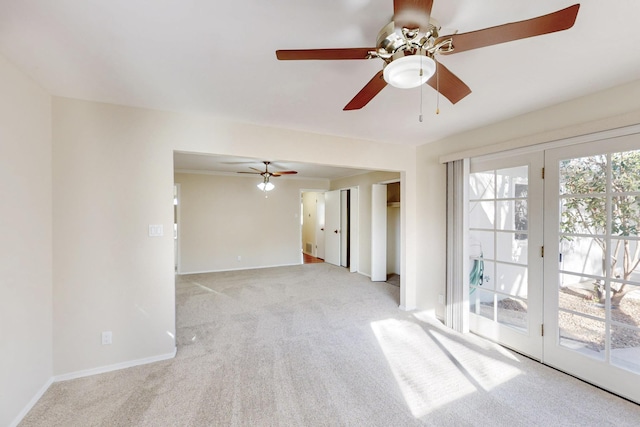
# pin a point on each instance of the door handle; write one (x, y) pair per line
(335, 231)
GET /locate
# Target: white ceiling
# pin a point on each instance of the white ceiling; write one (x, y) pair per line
(205, 163)
(218, 57)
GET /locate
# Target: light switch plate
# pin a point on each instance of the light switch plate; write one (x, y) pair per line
(155, 230)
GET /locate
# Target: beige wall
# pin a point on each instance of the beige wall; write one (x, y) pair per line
(226, 217)
(25, 253)
(113, 177)
(609, 109)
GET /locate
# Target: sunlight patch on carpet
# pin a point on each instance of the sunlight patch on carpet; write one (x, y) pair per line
(486, 371)
(418, 367)
(428, 374)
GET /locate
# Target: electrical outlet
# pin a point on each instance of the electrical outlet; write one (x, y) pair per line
(441, 299)
(106, 338)
(239, 258)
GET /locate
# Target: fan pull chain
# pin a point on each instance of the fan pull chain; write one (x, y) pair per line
(421, 89)
(437, 90)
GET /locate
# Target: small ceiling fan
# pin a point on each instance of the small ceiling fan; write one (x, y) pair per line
(265, 185)
(409, 44)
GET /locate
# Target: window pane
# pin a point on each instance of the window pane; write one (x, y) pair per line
(583, 215)
(582, 334)
(481, 303)
(489, 275)
(625, 213)
(481, 215)
(512, 248)
(512, 182)
(584, 175)
(512, 279)
(580, 294)
(624, 260)
(582, 255)
(481, 185)
(512, 215)
(624, 171)
(481, 244)
(625, 303)
(513, 312)
(625, 347)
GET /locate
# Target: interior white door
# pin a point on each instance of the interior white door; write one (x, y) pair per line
(378, 232)
(505, 242)
(354, 224)
(344, 228)
(592, 263)
(320, 225)
(332, 227)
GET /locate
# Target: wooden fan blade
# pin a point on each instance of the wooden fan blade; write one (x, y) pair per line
(367, 93)
(556, 21)
(412, 13)
(255, 169)
(284, 173)
(346, 53)
(252, 173)
(451, 87)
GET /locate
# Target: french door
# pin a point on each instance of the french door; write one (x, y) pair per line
(555, 262)
(504, 244)
(592, 274)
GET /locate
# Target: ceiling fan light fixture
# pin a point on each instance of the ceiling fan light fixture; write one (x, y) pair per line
(404, 72)
(266, 186)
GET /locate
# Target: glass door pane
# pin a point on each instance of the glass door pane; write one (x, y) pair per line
(500, 251)
(592, 273)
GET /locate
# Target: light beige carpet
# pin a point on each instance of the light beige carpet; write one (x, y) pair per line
(315, 345)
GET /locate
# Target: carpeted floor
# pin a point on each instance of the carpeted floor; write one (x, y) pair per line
(315, 345)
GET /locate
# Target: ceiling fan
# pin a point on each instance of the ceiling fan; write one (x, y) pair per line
(265, 185)
(409, 44)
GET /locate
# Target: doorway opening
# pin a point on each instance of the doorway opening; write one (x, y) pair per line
(386, 233)
(393, 233)
(312, 226)
(329, 227)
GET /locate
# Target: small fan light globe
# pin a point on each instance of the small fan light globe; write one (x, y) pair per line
(266, 186)
(404, 72)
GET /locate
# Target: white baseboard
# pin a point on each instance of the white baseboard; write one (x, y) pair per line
(18, 419)
(236, 269)
(115, 367)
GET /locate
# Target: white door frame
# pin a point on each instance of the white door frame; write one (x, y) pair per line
(344, 224)
(354, 224)
(378, 232)
(177, 260)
